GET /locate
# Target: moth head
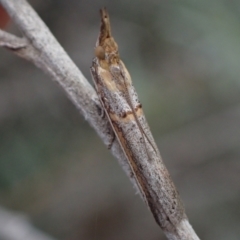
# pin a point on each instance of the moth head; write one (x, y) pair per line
(106, 49)
(100, 52)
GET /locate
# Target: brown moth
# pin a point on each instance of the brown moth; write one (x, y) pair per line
(120, 102)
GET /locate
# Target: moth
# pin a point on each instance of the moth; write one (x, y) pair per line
(120, 102)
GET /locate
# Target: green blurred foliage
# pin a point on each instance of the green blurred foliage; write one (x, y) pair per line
(183, 57)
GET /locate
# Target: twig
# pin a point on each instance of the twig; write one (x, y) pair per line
(41, 48)
(11, 41)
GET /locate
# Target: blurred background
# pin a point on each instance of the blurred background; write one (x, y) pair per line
(183, 57)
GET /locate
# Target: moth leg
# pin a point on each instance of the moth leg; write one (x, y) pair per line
(111, 133)
(99, 107)
(102, 114)
(112, 138)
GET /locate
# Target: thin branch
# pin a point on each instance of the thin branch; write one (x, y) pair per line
(45, 52)
(10, 41)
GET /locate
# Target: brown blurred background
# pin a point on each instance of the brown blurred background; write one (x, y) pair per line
(183, 57)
